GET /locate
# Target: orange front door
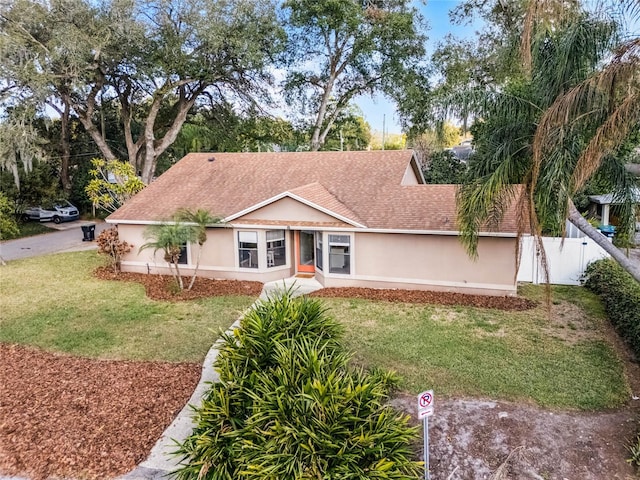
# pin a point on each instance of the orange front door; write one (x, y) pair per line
(305, 253)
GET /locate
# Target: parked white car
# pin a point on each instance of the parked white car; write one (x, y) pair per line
(58, 211)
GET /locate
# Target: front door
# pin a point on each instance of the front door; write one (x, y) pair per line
(304, 241)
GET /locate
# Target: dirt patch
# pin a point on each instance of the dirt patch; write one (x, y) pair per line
(163, 287)
(424, 296)
(471, 439)
(62, 416)
(66, 416)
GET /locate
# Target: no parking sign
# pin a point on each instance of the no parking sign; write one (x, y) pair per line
(425, 410)
(425, 404)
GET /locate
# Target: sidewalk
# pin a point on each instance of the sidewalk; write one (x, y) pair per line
(160, 461)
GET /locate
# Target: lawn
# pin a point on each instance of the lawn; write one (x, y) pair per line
(29, 229)
(55, 303)
(563, 362)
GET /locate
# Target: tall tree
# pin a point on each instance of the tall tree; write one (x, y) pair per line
(556, 127)
(340, 50)
(45, 56)
(150, 55)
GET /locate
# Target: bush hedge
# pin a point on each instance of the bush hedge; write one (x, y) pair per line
(621, 296)
(287, 405)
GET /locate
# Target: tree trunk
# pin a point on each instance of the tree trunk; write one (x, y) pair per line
(586, 228)
(65, 144)
(195, 271)
(316, 141)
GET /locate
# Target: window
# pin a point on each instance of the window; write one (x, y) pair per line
(276, 248)
(183, 255)
(248, 249)
(319, 250)
(339, 256)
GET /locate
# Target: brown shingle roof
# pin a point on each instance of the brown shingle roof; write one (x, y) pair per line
(364, 187)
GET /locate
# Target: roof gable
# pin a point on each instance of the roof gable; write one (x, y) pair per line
(309, 204)
(357, 189)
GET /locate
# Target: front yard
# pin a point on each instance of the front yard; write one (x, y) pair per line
(564, 361)
(55, 303)
(502, 378)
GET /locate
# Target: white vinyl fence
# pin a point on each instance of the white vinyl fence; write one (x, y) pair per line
(567, 261)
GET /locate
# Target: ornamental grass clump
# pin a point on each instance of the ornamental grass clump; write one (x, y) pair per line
(288, 406)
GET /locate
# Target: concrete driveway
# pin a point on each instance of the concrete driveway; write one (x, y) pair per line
(65, 237)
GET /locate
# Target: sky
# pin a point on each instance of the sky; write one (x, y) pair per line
(379, 109)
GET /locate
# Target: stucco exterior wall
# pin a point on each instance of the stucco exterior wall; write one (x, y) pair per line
(434, 262)
(409, 177)
(378, 260)
(218, 260)
(288, 210)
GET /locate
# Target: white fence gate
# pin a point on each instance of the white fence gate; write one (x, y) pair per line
(567, 261)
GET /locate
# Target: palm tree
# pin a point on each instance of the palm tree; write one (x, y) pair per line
(170, 238)
(198, 220)
(558, 128)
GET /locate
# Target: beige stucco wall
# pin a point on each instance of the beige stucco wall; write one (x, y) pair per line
(435, 262)
(379, 260)
(288, 210)
(218, 258)
(409, 177)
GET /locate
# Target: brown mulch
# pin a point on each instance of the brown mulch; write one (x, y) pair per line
(163, 287)
(65, 416)
(424, 296)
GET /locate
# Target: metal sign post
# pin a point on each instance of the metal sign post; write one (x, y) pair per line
(425, 410)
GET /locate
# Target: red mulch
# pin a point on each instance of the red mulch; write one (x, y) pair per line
(75, 417)
(424, 296)
(63, 416)
(163, 287)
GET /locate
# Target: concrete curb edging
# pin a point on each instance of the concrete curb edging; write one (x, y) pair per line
(161, 462)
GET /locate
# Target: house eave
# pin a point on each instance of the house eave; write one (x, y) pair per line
(297, 198)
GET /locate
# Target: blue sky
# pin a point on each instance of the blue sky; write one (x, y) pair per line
(436, 12)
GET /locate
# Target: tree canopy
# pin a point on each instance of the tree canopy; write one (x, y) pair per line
(555, 124)
(156, 58)
(337, 51)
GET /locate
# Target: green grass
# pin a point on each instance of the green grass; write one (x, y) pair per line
(29, 229)
(55, 303)
(564, 362)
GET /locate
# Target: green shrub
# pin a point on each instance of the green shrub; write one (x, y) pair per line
(621, 296)
(287, 406)
(634, 451)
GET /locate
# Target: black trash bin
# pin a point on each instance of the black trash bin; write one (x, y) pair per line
(88, 232)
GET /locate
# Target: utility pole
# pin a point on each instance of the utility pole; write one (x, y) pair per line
(384, 117)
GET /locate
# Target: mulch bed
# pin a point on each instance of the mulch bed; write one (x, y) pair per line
(65, 416)
(163, 287)
(424, 296)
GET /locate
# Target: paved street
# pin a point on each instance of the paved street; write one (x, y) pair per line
(64, 237)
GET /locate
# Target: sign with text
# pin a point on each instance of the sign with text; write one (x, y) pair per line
(425, 404)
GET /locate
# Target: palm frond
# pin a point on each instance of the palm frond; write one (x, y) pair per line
(607, 138)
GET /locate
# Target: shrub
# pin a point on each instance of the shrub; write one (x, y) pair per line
(109, 244)
(288, 406)
(621, 296)
(634, 452)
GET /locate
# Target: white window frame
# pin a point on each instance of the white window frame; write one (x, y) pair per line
(266, 246)
(327, 253)
(319, 239)
(262, 250)
(238, 241)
